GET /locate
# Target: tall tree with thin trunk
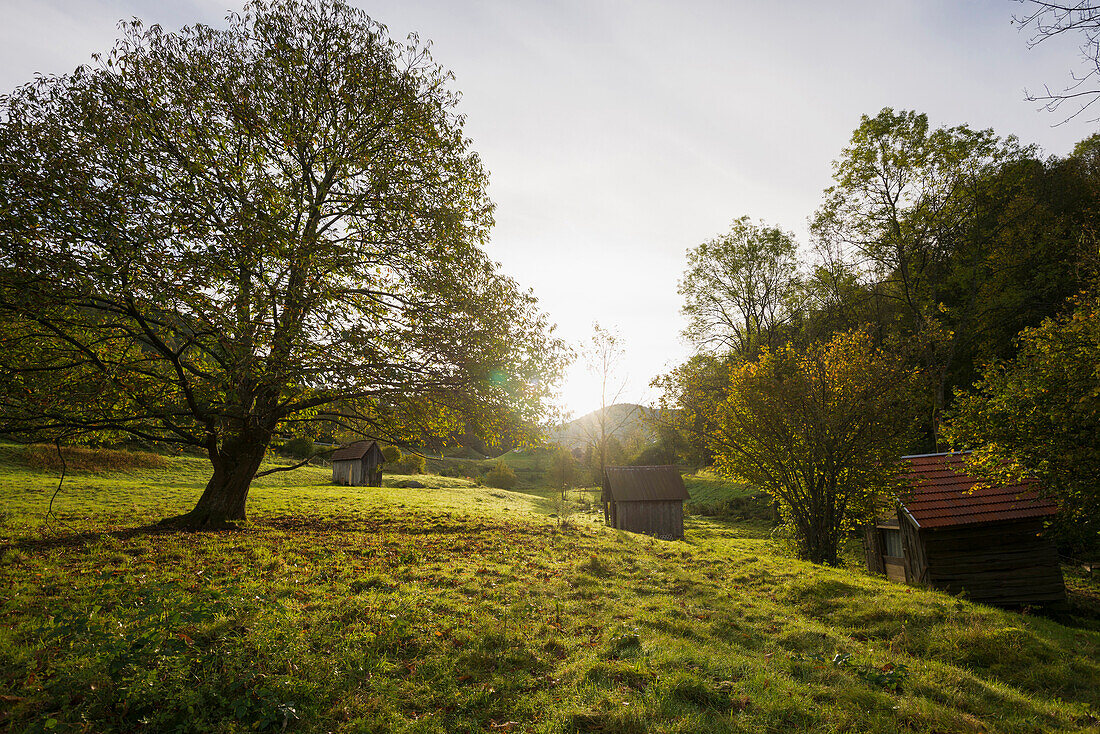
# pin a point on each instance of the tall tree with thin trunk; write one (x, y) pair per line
(213, 236)
(603, 358)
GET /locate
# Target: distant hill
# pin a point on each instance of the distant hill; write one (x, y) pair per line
(623, 421)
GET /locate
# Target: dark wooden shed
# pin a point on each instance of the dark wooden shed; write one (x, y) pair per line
(986, 542)
(358, 465)
(645, 499)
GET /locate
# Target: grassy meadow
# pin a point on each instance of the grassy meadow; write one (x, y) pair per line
(459, 608)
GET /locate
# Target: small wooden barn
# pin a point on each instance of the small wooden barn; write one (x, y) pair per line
(645, 499)
(358, 465)
(986, 542)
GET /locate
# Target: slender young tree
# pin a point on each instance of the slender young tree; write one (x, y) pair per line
(603, 358)
(216, 235)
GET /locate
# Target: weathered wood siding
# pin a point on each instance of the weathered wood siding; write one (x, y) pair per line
(916, 561)
(1008, 564)
(661, 519)
(348, 472)
(872, 545)
(894, 568)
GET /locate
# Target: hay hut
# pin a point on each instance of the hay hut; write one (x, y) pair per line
(986, 542)
(645, 499)
(358, 465)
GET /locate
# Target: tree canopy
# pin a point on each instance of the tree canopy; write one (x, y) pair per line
(740, 287)
(958, 236)
(220, 234)
(1038, 416)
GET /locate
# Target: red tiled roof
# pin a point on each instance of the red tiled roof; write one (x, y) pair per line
(942, 495)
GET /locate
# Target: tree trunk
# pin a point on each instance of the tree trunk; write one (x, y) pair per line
(223, 501)
(818, 543)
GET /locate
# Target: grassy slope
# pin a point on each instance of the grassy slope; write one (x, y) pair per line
(467, 609)
(530, 465)
(715, 496)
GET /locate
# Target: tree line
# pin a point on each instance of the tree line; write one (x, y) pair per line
(948, 300)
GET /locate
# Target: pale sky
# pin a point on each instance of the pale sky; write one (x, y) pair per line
(620, 134)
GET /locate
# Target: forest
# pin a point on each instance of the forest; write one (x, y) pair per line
(949, 303)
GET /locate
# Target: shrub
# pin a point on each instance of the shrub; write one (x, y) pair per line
(391, 454)
(758, 508)
(299, 448)
(501, 476)
(407, 464)
(80, 458)
(459, 470)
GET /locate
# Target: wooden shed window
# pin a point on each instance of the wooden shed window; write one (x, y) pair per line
(891, 543)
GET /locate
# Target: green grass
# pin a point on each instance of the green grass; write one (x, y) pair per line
(716, 496)
(530, 465)
(467, 609)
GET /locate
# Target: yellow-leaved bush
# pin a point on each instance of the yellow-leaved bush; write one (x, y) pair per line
(822, 429)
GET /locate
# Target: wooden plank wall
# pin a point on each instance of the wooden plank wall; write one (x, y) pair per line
(1008, 564)
(894, 568)
(916, 560)
(660, 519)
(872, 545)
(348, 472)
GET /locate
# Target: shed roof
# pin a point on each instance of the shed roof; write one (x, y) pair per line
(356, 450)
(643, 484)
(942, 494)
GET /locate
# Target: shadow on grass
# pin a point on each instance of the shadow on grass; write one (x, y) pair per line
(78, 540)
(414, 524)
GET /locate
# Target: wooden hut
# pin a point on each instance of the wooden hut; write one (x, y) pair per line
(645, 499)
(358, 465)
(986, 542)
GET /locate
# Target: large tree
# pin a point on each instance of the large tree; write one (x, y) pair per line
(822, 430)
(903, 202)
(219, 234)
(903, 194)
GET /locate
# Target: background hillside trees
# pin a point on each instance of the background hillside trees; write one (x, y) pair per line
(951, 243)
(1038, 416)
(902, 206)
(689, 393)
(821, 430)
(217, 235)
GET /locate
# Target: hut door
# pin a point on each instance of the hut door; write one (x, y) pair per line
(916, 569)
